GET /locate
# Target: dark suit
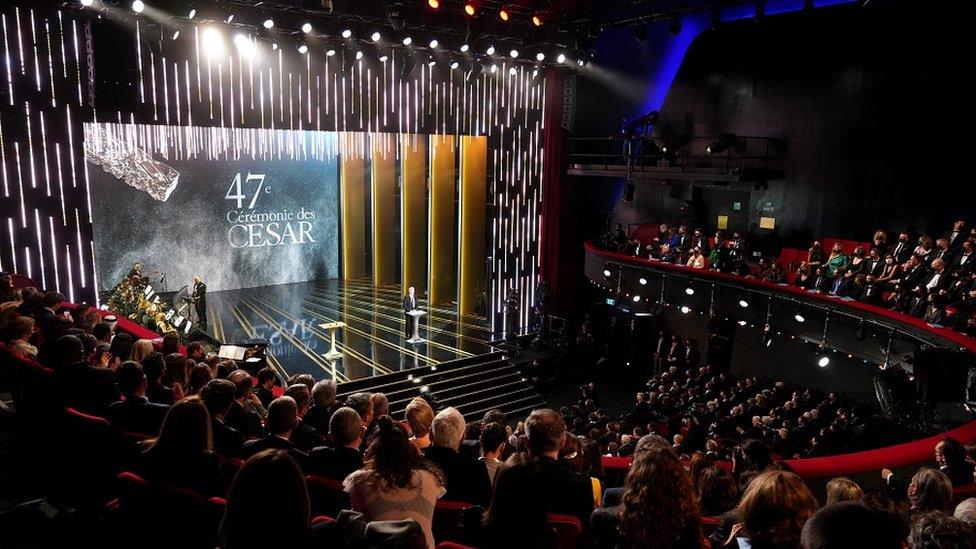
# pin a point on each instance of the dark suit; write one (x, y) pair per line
(963, 262)
(901, 252)
(942, 282)
(245, 421)
(137, 415)
(318, 417)
(305, 437)
(566, 492)
(200, 303)
(955, 239)
(334, 463)
(409, 304)
(873, 267)
(871, 293)
(265, 395)
(466, 479)
(85, 387)
(841, 286)
(275, 442)
(228, 442)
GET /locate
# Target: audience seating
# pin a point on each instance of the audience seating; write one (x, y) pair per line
(326, 495)
(454, 520)
(141, 507)
(569, 530)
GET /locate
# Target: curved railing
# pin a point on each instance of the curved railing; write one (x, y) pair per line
(626, 272)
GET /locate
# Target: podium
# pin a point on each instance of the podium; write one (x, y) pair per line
(416, 314)
(333, 354)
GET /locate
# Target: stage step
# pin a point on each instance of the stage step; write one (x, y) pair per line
(473, 385)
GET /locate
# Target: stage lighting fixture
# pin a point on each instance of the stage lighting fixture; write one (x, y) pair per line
(190, 15)
(742, 323)
(512, 71)
(455, 64)
(685, 309)
(431, 62)
(246, 47)
(642, 281)
(561, 58)
(465, 48)
(87, 3)
(138, 6)
(494, 68)
(433, 4)
(490, 50)
(823, 361)
(375, 37)
(229, 18)
(268, 23)
(674, 27)
(303, 49)
(503, 14)
(330, 52)
(359, 55)
(407, 41)
(274, 46)
(384, 58)
(470, 8)
(722, 144)
(580, 62)
(306, 27)
(346, 33)
(799, 317)
(213, 42)
(637, 299)
(606, 273)
(540, 56)
(537, 19)
(743, 303)
(640, 32)
(689, 290)
(434, 43)
(176, 34)
(514, 54)
(397, 15)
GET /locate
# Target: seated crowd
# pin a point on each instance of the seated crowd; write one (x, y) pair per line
(932, 279)
(203, 425)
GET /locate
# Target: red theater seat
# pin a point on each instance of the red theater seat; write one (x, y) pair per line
(450, 518)
(569, 530)
(326, 495)
(322, 519)
(963, 492)
(141, 507)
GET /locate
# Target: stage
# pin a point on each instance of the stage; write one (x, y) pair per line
(289, 316)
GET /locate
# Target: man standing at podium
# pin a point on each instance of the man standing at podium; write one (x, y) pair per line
(409, 304)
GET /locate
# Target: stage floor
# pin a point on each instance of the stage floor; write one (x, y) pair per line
(288, 316)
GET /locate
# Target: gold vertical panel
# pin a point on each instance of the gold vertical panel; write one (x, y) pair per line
(441, 264)
(413, 212)
(352, 175)
(471, 265)
(383, 198)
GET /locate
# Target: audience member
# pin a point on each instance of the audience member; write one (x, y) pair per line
(281, 423)
(850, 525)
(518, 507)
(465, 479)
(134, 413)
(774, 509)
(342, 456)
(182, 455)
(843, 489)
(419, 416)
(218, 396)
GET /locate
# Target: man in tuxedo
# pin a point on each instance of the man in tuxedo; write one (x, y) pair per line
(282, 421)
(199, 297)
(692, 354)
(240, 416)
(465, 478)
(939, 279)
(942, 251)
(135, 413)
(874, 265)
(342, 455)
(218, 396)
(963, 261)
(902, 250)
(871, 292)
(409, 304)
(957, 235)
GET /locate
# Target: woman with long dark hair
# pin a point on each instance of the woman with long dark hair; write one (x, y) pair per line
(120, 349)
(267, 505)
(395, 482)
(659, 507)
(182, 455)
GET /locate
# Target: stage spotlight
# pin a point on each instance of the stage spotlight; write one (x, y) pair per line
(87, 3)
(640, 32)
(743, 303)
(537, 19)
(330, 52)
(433, 4)
(490, 50)
(407, 41)
(494, 68)
(455, 64)
(580, 62)
(512, 71)
(434, 43)
(176, 34)
(306, 27)
(375, 37)
(722, 144)
(229, 18)
(561, 58)
(742, 323)
(431, 62)
(347, 33)
(303, 49)
(690, 291)
(540, 56)
(637, 299)
(642, 281)
(190, 15)
(268, 23)
(514, 54)
(396, 12)
(245, 46)
(384, 58)
(465, 48)
(470, 8)
(685, 309)
(503, 14)
(213, 42)
(606, 273)
(799, 317)
(359, 55)
(823, 361)
(138, 6)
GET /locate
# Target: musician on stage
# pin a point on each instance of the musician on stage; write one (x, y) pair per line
(409, 304)
(135, 275)
(199, 299)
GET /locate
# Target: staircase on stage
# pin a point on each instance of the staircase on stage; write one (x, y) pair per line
(455, 363)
